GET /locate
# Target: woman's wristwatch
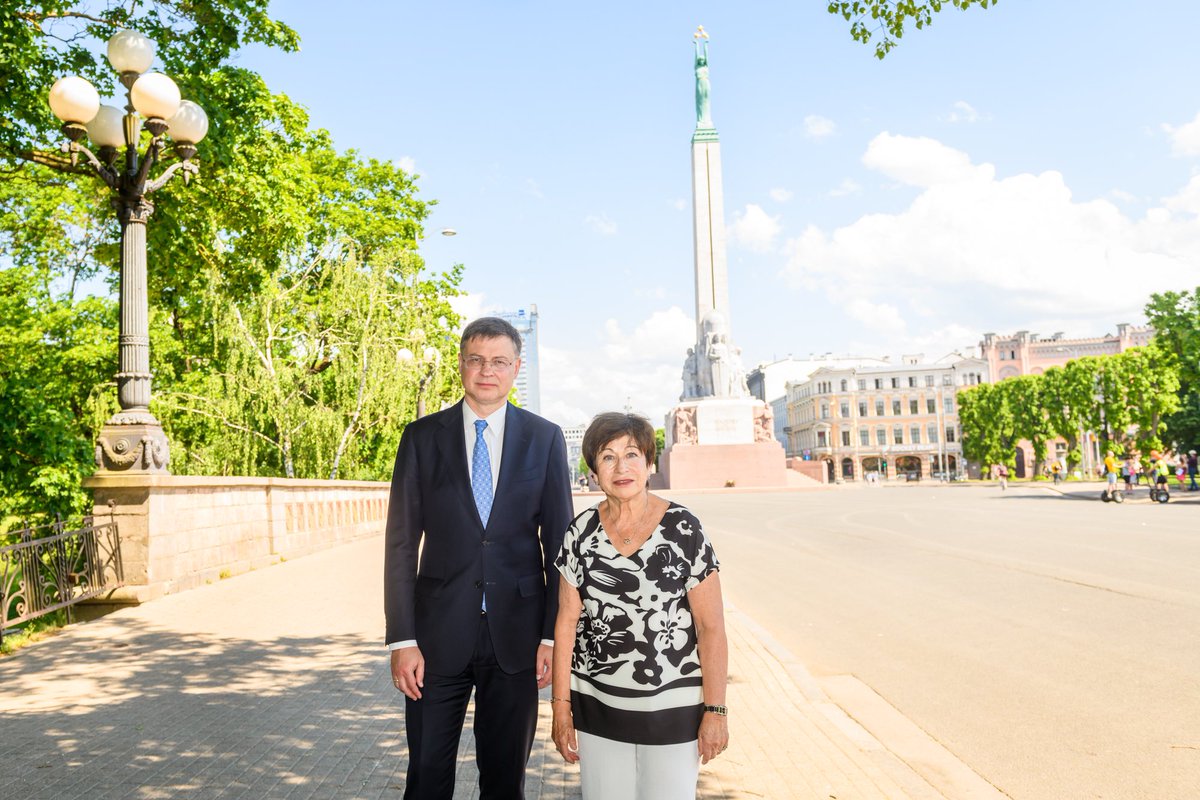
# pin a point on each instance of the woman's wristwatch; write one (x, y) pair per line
(721, 711)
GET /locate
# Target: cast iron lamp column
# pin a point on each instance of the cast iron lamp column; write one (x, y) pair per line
(132, 441)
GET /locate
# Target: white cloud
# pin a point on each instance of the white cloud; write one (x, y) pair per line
(781, 195)
(818, 127)
(641, 366)
(973, 252)
(962, 111)
(921, 161)
(847, 187)
(601, 224)
(534, 189)
(469, 306)
(754, 229)
(1185, 139)
(408, 164)
(679, 204)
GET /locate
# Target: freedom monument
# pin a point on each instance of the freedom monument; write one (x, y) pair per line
(718, 434)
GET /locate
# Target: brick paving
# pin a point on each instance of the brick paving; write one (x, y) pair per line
(274, 684)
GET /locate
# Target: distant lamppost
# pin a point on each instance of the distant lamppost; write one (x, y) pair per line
(426, 367)
(132, 441)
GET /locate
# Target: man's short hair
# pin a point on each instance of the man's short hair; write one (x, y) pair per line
(490, 328)
(613, 425)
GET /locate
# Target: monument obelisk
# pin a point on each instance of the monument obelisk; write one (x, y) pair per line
(718, 435)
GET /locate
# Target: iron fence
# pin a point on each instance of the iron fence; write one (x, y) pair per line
(46, 568)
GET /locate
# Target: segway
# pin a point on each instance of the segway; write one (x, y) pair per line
(1115, 496)
(1159, 495)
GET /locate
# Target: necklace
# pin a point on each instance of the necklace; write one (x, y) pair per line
(634, 526)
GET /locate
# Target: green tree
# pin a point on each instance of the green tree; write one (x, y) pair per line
(987, 424)
(1176, 320)
(43, 41)
(1024, 396)
(1152, 391)
(890, 18)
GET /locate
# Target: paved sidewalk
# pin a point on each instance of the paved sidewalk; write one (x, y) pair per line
(274, 684)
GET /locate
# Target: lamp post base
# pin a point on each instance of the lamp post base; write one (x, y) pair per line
(132, 442)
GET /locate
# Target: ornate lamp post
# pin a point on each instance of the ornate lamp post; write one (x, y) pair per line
(132, 441)
(426, 366)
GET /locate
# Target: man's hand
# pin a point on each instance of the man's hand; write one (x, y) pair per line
(545, 657)
(408, 671)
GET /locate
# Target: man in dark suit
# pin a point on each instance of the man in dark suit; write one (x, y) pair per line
(481, 492)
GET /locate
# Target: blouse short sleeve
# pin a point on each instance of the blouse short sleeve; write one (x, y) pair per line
(568, 561)
(702, 558)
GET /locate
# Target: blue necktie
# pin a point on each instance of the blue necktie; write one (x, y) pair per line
(481, 474)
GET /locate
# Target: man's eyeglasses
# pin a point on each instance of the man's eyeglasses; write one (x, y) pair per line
(476, 363)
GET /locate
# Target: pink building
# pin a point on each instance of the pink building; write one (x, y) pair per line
(1025, 353)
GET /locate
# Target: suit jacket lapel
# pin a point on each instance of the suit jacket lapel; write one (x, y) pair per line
(516, 445)
(453, 447)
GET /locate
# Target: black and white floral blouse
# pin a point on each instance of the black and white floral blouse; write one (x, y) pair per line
(635, 672)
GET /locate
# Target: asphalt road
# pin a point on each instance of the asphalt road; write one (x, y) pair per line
(1053, 645)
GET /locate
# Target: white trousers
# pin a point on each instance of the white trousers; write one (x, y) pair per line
(611, 770)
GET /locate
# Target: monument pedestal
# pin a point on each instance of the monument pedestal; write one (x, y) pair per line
(724, 442)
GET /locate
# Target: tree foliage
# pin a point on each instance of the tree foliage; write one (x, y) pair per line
(1176, 320)
(284, 282)
(888, 19)
(1126, 398)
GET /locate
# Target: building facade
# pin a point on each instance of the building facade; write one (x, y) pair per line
(769, 382)
(527, 384)
(894, 420)
(574, 436)
(1026, 353)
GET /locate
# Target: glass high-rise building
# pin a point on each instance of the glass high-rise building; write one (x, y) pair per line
(527, 384)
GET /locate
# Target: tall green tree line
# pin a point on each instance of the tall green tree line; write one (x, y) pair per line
(1126, 398)
(287, 295)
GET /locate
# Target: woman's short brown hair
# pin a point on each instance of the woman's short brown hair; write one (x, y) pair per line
(613, 425)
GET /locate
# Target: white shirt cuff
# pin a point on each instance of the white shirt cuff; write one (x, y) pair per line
(400, 645)
(548, 642)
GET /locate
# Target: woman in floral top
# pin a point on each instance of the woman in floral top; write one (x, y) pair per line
(640, 635)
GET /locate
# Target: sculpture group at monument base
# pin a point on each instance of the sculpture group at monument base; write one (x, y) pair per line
(722, 442)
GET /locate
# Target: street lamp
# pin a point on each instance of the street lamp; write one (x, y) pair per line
(132, 441)
(426, 365)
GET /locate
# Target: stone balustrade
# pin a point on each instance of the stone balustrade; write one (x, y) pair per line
(178, 532)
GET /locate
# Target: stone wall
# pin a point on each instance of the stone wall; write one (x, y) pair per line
(178, 532)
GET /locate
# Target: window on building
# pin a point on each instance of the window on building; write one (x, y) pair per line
(912, 381)
(930, 405)
(862, 384)
(947, 379)
(898, 434)
(895, 383)
(821, 440)
(862, 408)
(845, 438)
(929, 381)
(879, 383)
(881, 436)
(933, 434)
(913, 406)
(895, 408)
(914, 434)
(948, 405)
(879, 408)
(843, 384)
(824, 410)
(845, 408)
(950, 433)
(864, 437)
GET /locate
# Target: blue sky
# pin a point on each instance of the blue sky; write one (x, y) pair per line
(1026, 167)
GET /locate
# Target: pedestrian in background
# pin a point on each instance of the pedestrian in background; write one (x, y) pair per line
(1191, 471)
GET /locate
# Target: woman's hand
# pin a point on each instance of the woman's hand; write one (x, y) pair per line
(563, 732)
(713, 736)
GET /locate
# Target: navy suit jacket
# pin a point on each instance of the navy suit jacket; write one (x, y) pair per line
(439, 557)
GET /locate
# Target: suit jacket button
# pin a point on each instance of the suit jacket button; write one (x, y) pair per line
(478, 584)
(486, 542)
